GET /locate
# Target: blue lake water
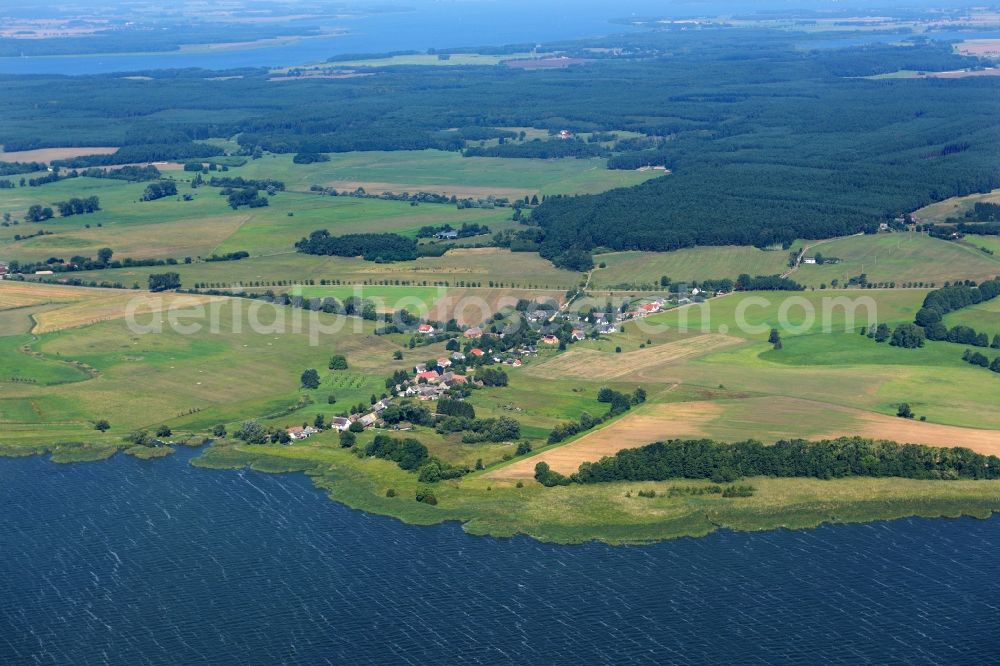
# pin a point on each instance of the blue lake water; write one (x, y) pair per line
(447, 23)
(132, 562)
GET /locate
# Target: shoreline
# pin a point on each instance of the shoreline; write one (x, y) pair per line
(574, 515)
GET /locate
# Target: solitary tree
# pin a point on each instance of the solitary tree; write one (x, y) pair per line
(102, 425)
(904, 411)
(310, 379)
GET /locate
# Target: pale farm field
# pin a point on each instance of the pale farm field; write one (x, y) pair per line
(595, 365)
(49, 154)
(764, 418)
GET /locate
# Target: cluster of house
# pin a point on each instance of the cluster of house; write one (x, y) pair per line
(435, 382)
(341, 423)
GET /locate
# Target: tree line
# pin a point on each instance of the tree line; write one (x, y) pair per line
(826, 459)
(159, 190)
(372, 247)
(954, 297)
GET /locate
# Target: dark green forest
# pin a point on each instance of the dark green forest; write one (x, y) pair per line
(767, 142)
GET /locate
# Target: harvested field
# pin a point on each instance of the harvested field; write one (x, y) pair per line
(22, 294)
(909, 431)
(49, 154)
(116, 306)
(685, 419)
(989, 48)
(595, 365)
(767, 419)
(184, 237)
(470, 306)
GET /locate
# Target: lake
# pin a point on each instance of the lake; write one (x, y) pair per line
(134, 562)
(448, 23)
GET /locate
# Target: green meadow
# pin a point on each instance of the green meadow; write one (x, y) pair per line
(991, 243)
(442, 171)
(171, 227)
(898, 257)
(697, 263)
(954, 207)
(984, 317)
(824, 359)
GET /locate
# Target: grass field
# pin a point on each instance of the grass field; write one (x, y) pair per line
(985, 318)
(953, 207)
(899, 258)
(187, 380)
(174, 228)
(991, 243)
(446, 173)
(699, 263)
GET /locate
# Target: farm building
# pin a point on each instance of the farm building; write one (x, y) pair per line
(340, 423)
(300, 432)
(426, 329)
(474, 332)
(446, 235)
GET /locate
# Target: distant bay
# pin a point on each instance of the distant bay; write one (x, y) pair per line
(435, 25)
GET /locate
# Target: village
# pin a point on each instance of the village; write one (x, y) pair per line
(471, 366)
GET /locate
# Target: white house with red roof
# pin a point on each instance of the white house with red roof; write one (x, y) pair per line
(649, 308)
(425, 329)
